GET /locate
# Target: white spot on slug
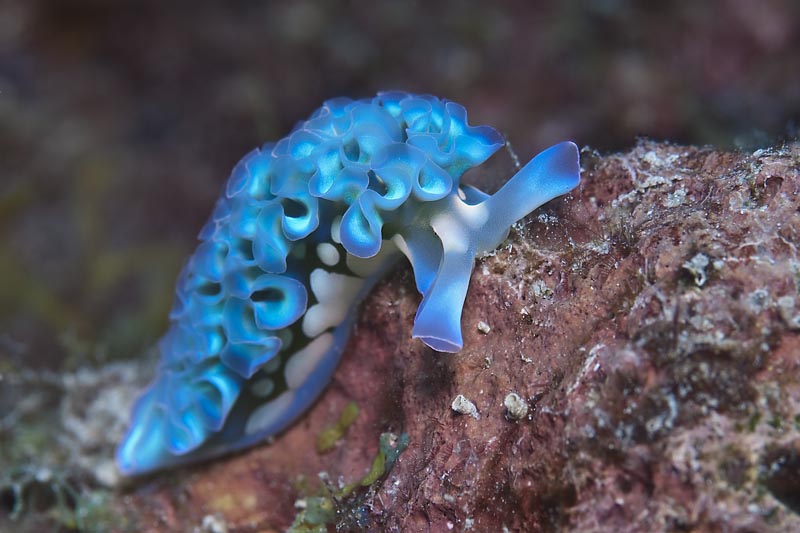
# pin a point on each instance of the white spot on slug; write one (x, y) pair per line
(272, 365)
(336, 294)
(304, 361)
(286, 337)
(336, 226)
(328, 253)
(262, 387)
(268, 413)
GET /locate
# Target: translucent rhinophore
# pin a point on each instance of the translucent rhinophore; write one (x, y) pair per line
(304, 228)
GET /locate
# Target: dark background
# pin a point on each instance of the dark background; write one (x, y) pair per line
(120, 120)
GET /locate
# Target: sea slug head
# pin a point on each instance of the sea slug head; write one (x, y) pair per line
(469, 225)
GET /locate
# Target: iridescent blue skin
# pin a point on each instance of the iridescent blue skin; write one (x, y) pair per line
(304, 229)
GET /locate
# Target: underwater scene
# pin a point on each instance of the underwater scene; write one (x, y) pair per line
(399, 266)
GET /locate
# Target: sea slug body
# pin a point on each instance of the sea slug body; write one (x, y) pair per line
(302, 231)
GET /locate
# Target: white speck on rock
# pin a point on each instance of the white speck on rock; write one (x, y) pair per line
(697, 266)
(541, 290)
(212, 524)
(758, 300)
(786, 310)
(463, 406)
(675, 199)
(516, 406)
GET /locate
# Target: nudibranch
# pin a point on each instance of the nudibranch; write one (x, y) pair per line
(303, 229)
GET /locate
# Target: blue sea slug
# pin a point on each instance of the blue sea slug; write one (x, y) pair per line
(302, 231)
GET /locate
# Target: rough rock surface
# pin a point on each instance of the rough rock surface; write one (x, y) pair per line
(651, 322)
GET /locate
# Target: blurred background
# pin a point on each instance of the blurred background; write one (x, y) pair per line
(120, 121)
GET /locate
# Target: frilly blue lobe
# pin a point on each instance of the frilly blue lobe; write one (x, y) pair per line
(304, 228)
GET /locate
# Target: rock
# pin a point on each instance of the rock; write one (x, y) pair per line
(662, 369)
